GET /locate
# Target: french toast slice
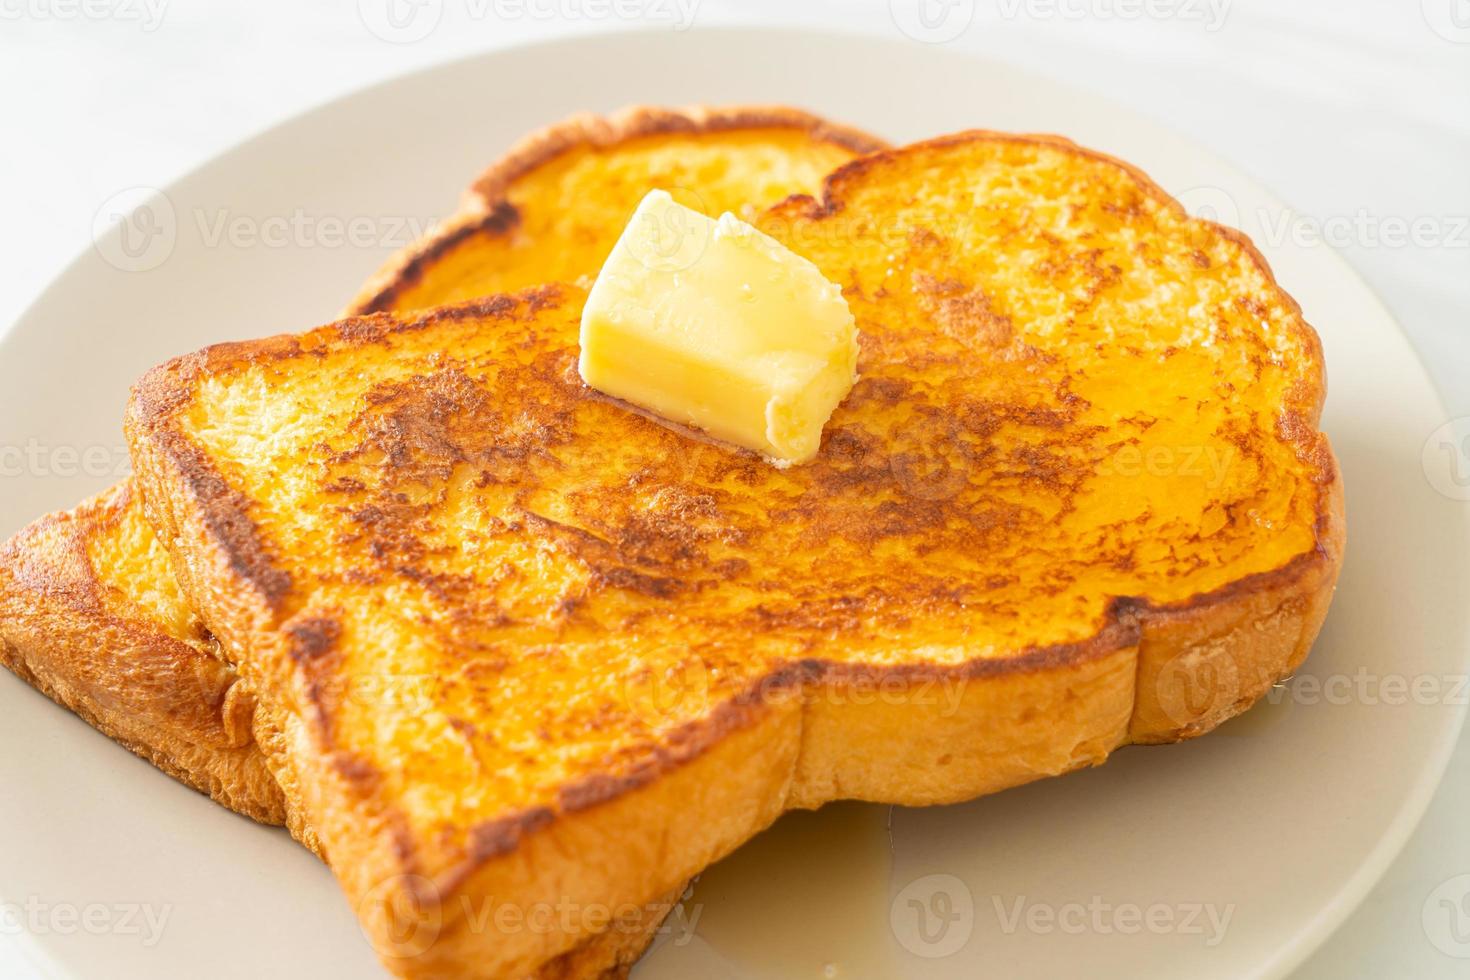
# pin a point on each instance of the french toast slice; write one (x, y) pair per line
(89, 601)
(524, 649)
(552, 207)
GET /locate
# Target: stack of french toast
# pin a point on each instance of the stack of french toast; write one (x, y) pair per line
(474, 632)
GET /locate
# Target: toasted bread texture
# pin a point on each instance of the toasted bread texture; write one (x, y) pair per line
(517, 644)
(551, 209)
(91, 615)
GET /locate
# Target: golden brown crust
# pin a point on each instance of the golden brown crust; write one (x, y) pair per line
(171, 701)
(1042, 711)
(636, 122)
(485, 208)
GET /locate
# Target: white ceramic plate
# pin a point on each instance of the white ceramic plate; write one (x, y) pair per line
(1280, 822)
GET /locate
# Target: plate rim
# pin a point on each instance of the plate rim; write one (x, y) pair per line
(1370, 867)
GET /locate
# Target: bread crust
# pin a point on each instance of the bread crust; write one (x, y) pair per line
(175, 703)
(485, 207)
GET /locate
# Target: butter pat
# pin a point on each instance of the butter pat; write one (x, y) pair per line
(714, 325)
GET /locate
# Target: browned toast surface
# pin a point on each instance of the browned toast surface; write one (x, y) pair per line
(91, 615)
(517, 641)
(551, 208)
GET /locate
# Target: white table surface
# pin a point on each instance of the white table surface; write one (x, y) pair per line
(1357, 112)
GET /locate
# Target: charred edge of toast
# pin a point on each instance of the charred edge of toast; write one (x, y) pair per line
(634, 122)
(1127, 619)
(486, 209)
